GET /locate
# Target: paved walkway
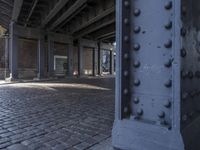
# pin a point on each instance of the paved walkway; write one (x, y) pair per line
(71, 114)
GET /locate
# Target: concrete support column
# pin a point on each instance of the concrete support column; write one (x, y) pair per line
(41, 57)
(50, 57)
(13, 51)
(80, 59)
(70, 55)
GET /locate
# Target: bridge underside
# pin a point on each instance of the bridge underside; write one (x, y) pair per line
(157, 60)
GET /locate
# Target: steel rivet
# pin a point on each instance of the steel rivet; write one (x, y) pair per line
(126, 56)
(167, 104)
(184, 96)
(190, 75)
(136, 64)
(137, 29)
(183, 52)
(125, 91)
(125, 109)
(168, 63)
(126, 38)
(168, 84)
(139, 112)
(168, 44)
(126, 73)
(137, 12)
(126, 21)
(168, 25)
(126, 3)
(136, 100)
(161, 114)
(183, 32)
(168, 5)
(136, 46)
(136, 82)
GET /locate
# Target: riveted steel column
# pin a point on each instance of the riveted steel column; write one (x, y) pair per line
(80, 59)
(41, 57)
(13, 52)
(70, 60)
(50, 56)
(190, 74)
(148, 75)
(99, 59)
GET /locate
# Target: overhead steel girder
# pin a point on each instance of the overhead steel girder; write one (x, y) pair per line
(54, 11)
(78, 4)
(17, 9)
(158, 75)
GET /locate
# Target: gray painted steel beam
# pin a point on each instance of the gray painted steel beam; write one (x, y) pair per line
(54, 11)
(13, 52)
(17, 9)
(31, 12)
(78, 4)
(41, 57)
(70, 56)
(50, 56)
(93, 29)
(95, 19)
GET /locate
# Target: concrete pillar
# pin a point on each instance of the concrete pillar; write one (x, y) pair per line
(70, 55)
(80, 59)
(41, 57)
(50, 57)
(13, 51)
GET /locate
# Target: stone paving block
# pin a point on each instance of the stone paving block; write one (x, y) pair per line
(82, 146)
(35, 116)
(17, 147)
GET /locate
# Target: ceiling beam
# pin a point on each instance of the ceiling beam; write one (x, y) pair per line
(54, 11)
(106, 36)
(31, 12)
(93, 29)
(72, 16)
(17, 9)
(95, 19)
(78, 4)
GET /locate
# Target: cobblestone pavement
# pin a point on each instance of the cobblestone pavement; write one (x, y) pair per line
(71, 114)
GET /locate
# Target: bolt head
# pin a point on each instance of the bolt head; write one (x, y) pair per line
(168, 25)
(137, 12)
(161, 114)
(136, 64)
(168, 5)
(168, 44)
(168, 84)
(136, 100)
(136, 46)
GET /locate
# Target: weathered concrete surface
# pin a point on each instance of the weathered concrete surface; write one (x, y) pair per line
(72, 114)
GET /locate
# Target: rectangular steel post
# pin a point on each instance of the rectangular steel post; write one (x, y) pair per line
(6, 56)
(112, 62)
(41, 57)
(148, 76)
(13, 52)
(99, 59)
(80, 59)
(50, 56)
(70, 60)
